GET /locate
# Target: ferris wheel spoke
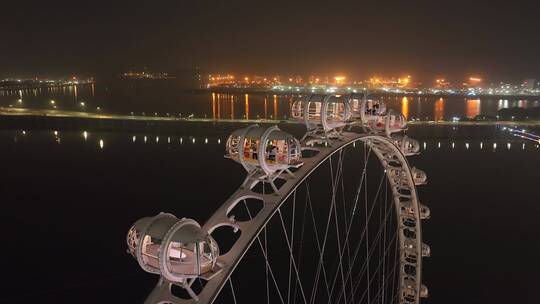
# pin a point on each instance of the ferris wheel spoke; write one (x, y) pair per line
(395, 297)
(291, 256)
(346, 222)
(265, 254)
(383, 246)
(367, 291)
(232, 290)
(381, 242)
(325, 239)
(267, 267)
(388, 211)
(393, 289)
(353, 210)
(361, 275)
(391, 274)
(320, 265)
(381, 290)
(334, 181)
(364, 232)
(360, 184)
(301, 238)
(369, 282)
(340, 250)
(267, 263)
(358, 247)
(339, 268)
(367, 225)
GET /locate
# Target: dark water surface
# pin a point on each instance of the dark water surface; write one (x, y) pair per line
(69, 201)
(164, 97)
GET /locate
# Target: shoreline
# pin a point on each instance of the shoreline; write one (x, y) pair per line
(47, 113)
(376, 92)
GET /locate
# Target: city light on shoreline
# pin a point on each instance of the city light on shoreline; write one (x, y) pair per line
(404, 84)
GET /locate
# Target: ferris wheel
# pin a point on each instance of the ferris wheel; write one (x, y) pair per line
(334, 218)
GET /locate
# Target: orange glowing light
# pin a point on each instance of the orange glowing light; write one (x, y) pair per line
(476, 79)
(265, 108)
(439, 110)
(473, 108)
(214, 105)
(232, 106)
(405, 107)
(247, 106)
(275, 107)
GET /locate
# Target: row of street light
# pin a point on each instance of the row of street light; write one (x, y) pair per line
(193, 140)
(53, 104)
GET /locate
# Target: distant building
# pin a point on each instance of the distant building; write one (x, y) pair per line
(474, 82)
(146, 75)
(442, 84)
(313, 79)
(529, 84)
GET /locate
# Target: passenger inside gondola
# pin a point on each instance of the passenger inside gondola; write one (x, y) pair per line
(271, 151)
(276, 151)
(375, 107)
(250, 150)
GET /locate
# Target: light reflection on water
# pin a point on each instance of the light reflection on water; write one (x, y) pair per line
(163, 100)
(439, 110)
(405, 107)
(473, 107)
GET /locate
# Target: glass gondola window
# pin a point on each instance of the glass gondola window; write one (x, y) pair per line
(133, 240)
(297, 109)
(375, 107)
(314, 110)
(397, 121)
(355, 104)
(379, 122)
(369, 106)
(276, 152)
(233, 145)
(150, 251)
(251, 150)
(336, 112)
(295, 150)
(182, 258)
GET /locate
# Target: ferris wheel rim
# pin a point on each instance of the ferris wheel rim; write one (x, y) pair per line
(299, 180)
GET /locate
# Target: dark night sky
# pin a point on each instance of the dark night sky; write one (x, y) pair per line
(423, 38)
